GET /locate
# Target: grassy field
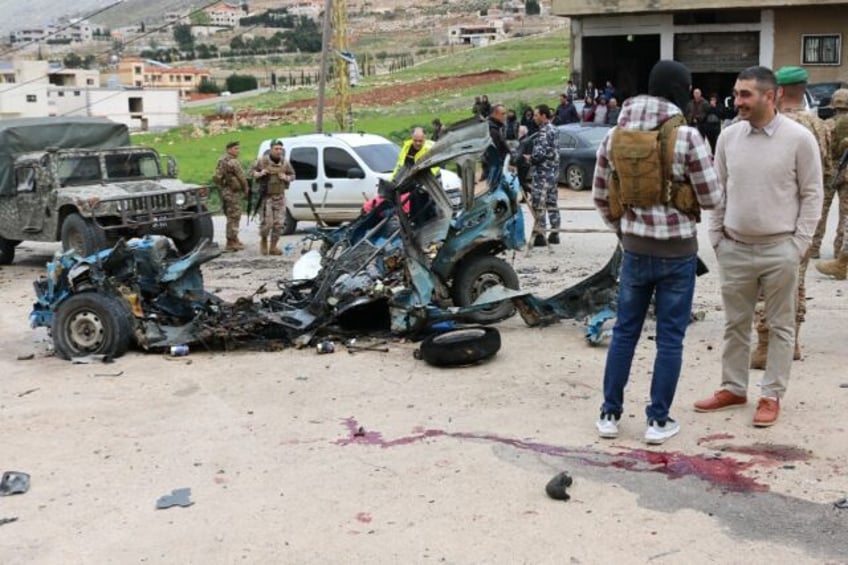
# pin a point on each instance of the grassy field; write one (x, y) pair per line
(537, 67)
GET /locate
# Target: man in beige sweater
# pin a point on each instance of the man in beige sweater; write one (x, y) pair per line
(770, 170)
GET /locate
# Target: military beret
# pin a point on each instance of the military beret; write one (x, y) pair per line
(791, 75)
(276, 142)
(232, 144)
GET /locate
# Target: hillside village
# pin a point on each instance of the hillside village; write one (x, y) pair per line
(142, 72)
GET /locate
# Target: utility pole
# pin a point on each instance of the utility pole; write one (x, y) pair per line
(325, 52)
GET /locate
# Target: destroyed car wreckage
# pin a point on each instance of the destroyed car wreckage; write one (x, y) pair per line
(396, 270)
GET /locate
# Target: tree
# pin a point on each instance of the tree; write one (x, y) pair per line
(532, 8)
(237, 43)
(183, 37)
(72, 61)
(208, 87)
(241, 83)
(200, 18)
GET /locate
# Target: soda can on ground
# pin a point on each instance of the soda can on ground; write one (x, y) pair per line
(179, 350)
(325, 347)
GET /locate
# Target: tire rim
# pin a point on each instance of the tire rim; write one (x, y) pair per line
(575, 177)
(86, 331)
(483, 283)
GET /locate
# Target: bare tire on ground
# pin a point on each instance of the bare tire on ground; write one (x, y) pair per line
(460, 347)
(289, 223)
(7, 250)
(200, 227)
(82, 235)
(476, 275)
(574, 177)
(91, 324)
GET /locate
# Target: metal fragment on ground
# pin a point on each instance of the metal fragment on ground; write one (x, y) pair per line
(14, 482)
(178, 497)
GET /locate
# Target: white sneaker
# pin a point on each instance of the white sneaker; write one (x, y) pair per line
(607, 426)
(658, 433)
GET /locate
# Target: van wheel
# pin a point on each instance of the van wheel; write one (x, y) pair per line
(460, 347)
(289, 223)
(7, 250)
(82, 235)
(200, 227)
(91, 324)
(478, 274)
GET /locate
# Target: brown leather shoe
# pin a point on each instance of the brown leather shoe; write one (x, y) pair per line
(720, 400)
(767, 411)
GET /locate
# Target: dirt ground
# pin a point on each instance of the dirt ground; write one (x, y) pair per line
(294, 457)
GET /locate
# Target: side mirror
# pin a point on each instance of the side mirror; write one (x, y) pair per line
(172, 169)
(355, 173)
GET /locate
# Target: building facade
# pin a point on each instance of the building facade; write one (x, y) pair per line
(477, 34)
(73, 31)
(620, 41)
(144, 73)
(140, 110)
(224, 15)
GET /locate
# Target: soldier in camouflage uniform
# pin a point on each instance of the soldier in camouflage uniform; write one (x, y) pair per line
(792, 82)
(545, 161)
(838, 126)
(838, 268)
(230, 180)
(275, 174)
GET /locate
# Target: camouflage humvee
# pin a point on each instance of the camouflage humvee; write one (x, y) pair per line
(78, 181)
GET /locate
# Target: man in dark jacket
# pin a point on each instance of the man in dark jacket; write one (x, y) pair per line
(492, 170)
(566, 112)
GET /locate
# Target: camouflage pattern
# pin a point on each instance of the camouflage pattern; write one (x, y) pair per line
(276, 184)
(273, 212)
(838, 130)
(545, 159)
(36, 215)
(229, 176)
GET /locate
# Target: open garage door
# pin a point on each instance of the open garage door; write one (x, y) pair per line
(626, 60)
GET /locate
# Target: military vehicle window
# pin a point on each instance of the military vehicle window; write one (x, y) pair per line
(304, 160)
(79, 170)
(135, 165)
(337, 162)
(25, 179)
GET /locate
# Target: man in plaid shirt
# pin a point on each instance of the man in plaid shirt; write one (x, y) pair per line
(660, 254)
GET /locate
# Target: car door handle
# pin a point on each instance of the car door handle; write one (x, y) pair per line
(314, 187)
(328, 185)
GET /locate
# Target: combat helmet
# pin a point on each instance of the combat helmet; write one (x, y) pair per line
(839, 100)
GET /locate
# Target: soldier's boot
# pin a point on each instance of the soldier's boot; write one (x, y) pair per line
(238, 244)
(263, 246)
(539, 240)
(758, 357)
(231, 246)
(553, 238)
(796, 356)
(838, 268)
(274, 249)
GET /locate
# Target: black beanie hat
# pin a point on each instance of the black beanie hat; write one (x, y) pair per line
(670, 80)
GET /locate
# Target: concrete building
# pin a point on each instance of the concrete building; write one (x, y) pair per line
(71, 31)
(224, 15)
(140, 110)
(144, 73)
(477, 34)
(23, 88)
(716, 39)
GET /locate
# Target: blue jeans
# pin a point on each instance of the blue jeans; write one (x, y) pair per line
(673, 282)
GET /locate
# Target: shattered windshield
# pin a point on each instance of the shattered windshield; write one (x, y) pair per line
(132, 165)
(78, 169)
(380, 157)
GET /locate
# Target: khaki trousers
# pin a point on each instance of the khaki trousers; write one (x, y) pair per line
(746, 271)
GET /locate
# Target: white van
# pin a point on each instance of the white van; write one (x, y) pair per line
(338, 172)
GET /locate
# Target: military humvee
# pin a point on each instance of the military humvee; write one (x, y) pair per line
(79, 181)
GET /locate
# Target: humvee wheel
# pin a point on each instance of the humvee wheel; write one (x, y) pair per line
(82, 235)
(7, 250)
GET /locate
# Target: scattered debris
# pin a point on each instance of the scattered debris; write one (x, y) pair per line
(14, 482)
(4, 521)
(178, 497)
(843, 385)
(26, 392)
(89, 359)
(26, 357)
(842, 503)
(118, 374)
(352, 347)
(556, 487)
(179, 350)
(325, 346)
(461, 347)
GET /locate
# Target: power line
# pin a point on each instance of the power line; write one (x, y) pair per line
(59, 30)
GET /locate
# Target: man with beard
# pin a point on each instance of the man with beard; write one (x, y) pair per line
(771, 172)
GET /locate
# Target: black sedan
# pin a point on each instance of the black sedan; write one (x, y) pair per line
(578, 145)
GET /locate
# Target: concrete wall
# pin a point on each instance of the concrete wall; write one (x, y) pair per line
(23, 89)
(138, 109)
(791, 23)
(600, 7)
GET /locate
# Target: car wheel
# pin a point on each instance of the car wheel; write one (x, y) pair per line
(289, 223)
(460, 347)
(82, 235)
(201, 227)
(574, 177)
(476, 275)
(91, 323)
(7, 250)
